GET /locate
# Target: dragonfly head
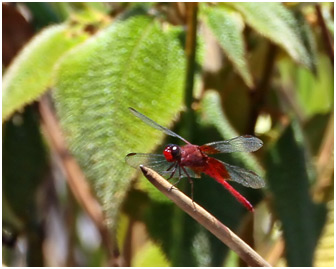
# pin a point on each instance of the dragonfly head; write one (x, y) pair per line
(172, 153)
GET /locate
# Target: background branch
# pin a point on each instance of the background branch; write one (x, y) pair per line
(207, 220)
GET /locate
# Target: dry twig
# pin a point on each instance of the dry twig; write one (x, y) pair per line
(208, 221)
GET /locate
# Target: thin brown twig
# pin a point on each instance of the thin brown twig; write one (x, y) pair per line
(207, 220)
(76, 179)
(328, 43)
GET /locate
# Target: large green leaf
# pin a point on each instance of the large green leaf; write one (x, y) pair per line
(314, 94)
(133, 63)
(301, 219)
(307, 37)
(29, 75)
(278, 24)
(314, 129)
(227, 26)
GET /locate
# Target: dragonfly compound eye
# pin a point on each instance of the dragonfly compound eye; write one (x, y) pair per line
(172, 153)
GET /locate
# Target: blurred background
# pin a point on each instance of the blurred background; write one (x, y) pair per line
(208, 71)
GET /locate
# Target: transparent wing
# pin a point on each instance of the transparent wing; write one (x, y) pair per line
(158, 163)
(156, 125)
(245, 177)
(246, 143)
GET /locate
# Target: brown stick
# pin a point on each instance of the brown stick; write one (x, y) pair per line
(76, 179)
(222, 232)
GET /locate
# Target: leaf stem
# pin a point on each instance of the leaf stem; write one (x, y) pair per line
(207, 220)
(190, 50)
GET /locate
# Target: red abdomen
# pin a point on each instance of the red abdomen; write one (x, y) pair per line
(217, 170)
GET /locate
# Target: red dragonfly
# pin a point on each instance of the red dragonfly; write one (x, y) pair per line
(192, 160)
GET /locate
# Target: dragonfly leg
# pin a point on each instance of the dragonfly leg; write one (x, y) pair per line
(192, 186)
(174, 170)
(172, 174)
(179, 178)
(170, 167)
(177, 182)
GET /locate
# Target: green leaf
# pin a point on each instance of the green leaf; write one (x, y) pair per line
(150, 255)
(307, 37)
(301, 218)
(227, 26)
(173, 233)
(315, 94)
(278, 24)
(42, 13)
(29, 75)
(133, 63)
(314, 129)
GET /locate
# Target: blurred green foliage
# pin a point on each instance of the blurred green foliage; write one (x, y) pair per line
(24, 170)
(98, 59)
(302, 220)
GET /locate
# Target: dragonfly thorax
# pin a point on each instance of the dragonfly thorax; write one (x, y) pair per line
(172, 153)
